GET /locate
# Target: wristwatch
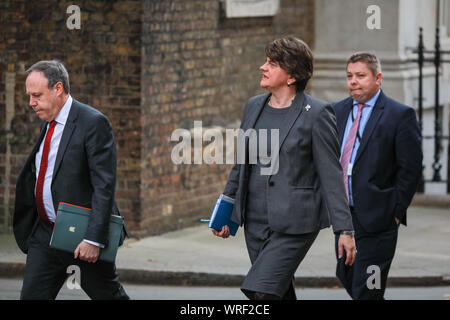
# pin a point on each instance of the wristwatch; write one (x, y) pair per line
(348, 233)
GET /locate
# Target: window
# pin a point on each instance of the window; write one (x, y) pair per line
(250, 8)
(444, 15)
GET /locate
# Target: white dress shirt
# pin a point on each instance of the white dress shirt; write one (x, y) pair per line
(61, 120)
(365, 115)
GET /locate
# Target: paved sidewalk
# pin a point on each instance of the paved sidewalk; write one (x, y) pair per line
(193, 256)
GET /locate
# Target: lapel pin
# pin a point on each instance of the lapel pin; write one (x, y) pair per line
(307, 107)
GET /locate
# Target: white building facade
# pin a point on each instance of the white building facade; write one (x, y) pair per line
(390, 29)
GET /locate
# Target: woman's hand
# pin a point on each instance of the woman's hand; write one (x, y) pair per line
(224, 233)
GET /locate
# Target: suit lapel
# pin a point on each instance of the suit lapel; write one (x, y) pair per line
(371, 124)
(32, 159)
(67, 134)
(41, 137)
(342, 119)
(294, 113)
(257, 109)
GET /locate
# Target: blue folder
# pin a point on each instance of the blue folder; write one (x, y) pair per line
(221, 215)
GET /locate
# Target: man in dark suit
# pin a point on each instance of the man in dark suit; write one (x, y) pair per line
(381, 158)
(73, 161)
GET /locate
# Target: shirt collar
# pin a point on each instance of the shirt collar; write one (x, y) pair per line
(63, 114)
(371, 102)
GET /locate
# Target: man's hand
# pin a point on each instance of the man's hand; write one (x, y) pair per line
(397, 221)
(347, 243)
(224, 233)
(87, 252)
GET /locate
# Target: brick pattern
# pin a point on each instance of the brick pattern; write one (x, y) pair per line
(104, 63)
(151, 66)
(198, 66)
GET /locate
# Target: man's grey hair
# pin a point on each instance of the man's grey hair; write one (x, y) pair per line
(54, 71)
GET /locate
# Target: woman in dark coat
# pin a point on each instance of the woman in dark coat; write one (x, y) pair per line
(285, 199)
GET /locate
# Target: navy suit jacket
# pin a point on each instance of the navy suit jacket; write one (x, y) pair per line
(388, 163)
(84, 175)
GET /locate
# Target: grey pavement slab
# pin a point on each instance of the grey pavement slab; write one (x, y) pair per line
(423, 250)
(10, 290)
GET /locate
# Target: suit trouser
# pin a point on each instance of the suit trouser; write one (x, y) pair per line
(274, 262)
(366, 279)
(46, 271)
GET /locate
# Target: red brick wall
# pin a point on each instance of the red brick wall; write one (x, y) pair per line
(151, 66)
(198, 66)
(103, 59)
